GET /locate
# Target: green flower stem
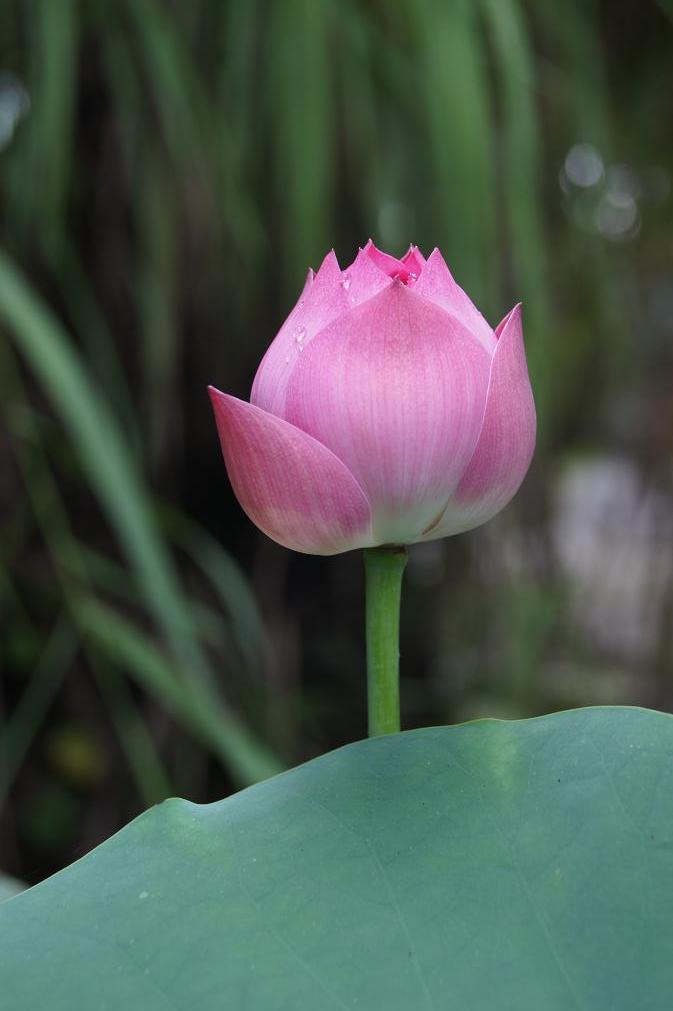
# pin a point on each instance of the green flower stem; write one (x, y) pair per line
(384, 568)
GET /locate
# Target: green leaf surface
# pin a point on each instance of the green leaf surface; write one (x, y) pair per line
(511, 865)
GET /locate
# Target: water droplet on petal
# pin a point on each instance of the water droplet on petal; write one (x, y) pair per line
(346, 282)
(300, 335)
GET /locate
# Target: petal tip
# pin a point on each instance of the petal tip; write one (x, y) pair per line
(329, 263)
(513, 317)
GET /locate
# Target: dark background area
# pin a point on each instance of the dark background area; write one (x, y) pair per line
(168, 171)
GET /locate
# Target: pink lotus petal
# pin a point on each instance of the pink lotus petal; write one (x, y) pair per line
(506, 441)
(396, 389)
(363, 279)
(436, 283)
(390, 265)
(505, 320)
(414, 261)
(322, 300)
(291, 487)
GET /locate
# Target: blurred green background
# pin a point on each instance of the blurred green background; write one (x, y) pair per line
(168, 171)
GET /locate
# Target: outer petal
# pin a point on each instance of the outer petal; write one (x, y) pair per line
(332, 293)
(291, 487)
(436, 283)
(506, 441)
(323, 299)
(414, 261)
(363, 279)
(396, 389)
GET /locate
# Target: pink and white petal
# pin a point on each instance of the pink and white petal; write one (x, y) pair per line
(396, 389)
(293, 488)
(274, 369)
(506, 441)
(436, 283)
(363, 279)
(323, 299)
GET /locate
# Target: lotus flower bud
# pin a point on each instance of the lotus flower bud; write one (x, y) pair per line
(386, 411)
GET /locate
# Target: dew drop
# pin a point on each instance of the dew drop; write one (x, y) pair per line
(346, 282)
(300, 335)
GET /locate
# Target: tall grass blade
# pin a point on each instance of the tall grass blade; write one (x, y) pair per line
(103, 451)
(136, 741)
(197, 708)
(300, 119)
(233, 592)
(453, 101)
(29, 713)
(113, 476)
(523, 199)
(575, 29)
(159, 312)
(54, 28)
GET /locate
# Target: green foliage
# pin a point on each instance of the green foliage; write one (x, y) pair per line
(94, 432)
(168, 171)
(523, 864)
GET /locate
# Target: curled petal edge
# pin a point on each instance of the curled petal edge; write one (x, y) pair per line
(291, 486)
